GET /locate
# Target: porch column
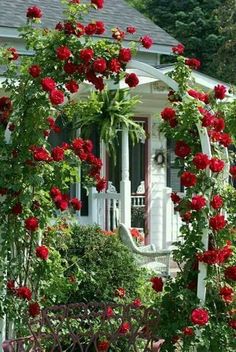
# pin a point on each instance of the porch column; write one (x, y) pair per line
(125, 185)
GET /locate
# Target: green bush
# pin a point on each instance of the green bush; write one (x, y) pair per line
(104, 262)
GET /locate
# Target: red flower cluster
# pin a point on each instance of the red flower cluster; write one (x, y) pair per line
(58, 153)
(109, 313)
(157, 284)
(24, 293)
(188, 331)
(216, 165)
(72, 86)
(103, 346)
(220, 91)
(233, 171)
(198, 95)
(98, 3)
(34, 12)
(215, 256)
(146, 42)
(137, 303)
(199, 316)
(198, 202)
(124, 328)
(63, 53)
(17, 209)
(217, 222)
(193, 63)
(34, 309)
(182, 149)
(175, 198)
(131, 30)
(230, 273)
(169, 114)
(178, 49)
(31, 223)
(132, 80)
(201, 161)
(227, 294)
(120, 292)
(48, 84)
(42, 252)
(5, 109)
(40, 154)
(216, 202)
(188, 179)
(56, 97)
(76, 204)
(232, 324)
(35, 71)
(124, 55)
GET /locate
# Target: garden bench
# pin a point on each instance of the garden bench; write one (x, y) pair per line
(80, 327)
(147, 256)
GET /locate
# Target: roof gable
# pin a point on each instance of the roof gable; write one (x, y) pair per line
(115, 13)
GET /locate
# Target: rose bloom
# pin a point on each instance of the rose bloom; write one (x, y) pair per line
(232, 171)
(114, 65)
(219, 124)
(34, 71)
(124, 328)
(98, 3)
(230, 273)
(103, 346)
(137, 303)
(188, 331)
(69, 68)
(5, 104)
(86, 55)
(216, 202)
(58, 154)
(216, 165)
(193, 63)
(201, 161)
(120, 292)
(56, 97)
(63, 53)
(168, 114)
(42, 252)
(209, 257)
(132, 80)
(34, 309)
(225, 253)
(99, 65)
(175, 198)
(225, 140)
(182, 149)
(125, 55)
(76, 203)
(131, 30)
(227, 293)
(24, 292)
(157, 284)
(54, 192)
(199, 316)
(178, 49)
(146, 42)
(109, 312)
(186, 216)
(77, 144)
(34, 12)
(14, 54)
(62, 201)
(232, 324)
(31, 223)
(72, 86)
(220, 91)
(90, 29)
(198, 202)
(188, 179)
(217, 222)
(48, 84)
(41, 154)
(17, 209)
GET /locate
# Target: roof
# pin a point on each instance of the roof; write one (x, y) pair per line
(115, 14)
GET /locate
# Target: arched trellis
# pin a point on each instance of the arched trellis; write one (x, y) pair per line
(206, 149)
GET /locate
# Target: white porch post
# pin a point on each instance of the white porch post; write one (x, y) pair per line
(125, 185)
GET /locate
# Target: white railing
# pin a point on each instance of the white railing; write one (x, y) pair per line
(138, 200)
(108, 210)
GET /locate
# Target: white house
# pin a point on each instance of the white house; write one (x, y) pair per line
(141, 182)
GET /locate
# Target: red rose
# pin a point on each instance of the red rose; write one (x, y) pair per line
(77, 144)
(232, 324)
(54, 192)
(125, 55)
(80, 30)
(132, 80)
(220, 91)
(99, 65)
(86, 55)
(146, 41)
(227, 293)
(208, 119)
(42, 252)
(109, 313)
(62, 201)
(100, 29)
(34, 12)
(137, 303)
(17, 209)
(157, 284)
(90, 29)
(199, 316)
(101, 184)
(34, 309)
(124, 328)
(178, 49)
(131, 30)
(186, 216)
(114, 65)
(216, 165)
(230, 273)
(120, 292)
(219, 124)
(201, 161)
(56, 97)
(232, 171)
(198, 202)
(216, 202)
(58, 154)
(225, 140)
(188, 331)
(168, 114)
(14, 54)
(69, 68)
(209, 257)
(103, 345)
(193, 63)
(225, 253)
(11, 285)
(48, 84)
(63, 53)
(217, 222)
(98, 3)
(175, 198)
(5, 104)
(72, 86)
(31, 223)
(41, 154)
(76, 203)
(35, 71)
(188, 179)
(24, 292)
(182, 149)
